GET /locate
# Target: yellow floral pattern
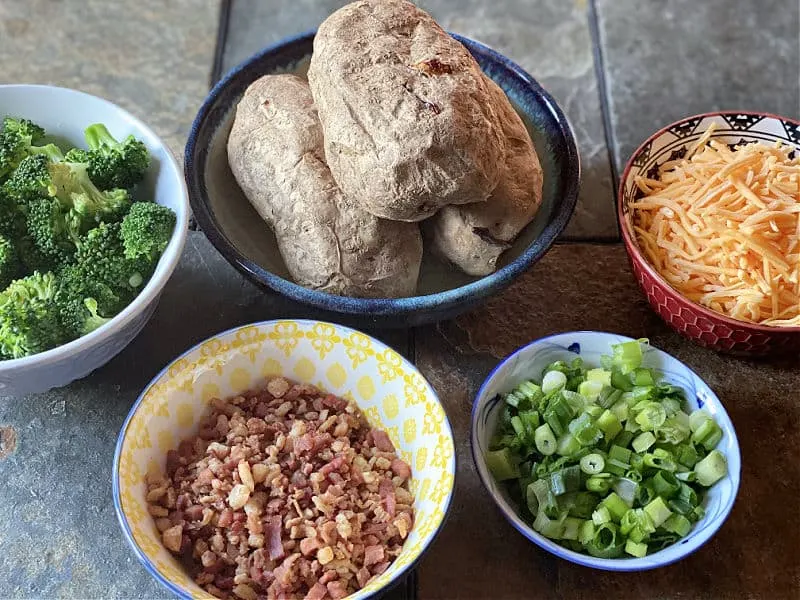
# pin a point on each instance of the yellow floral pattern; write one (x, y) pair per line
(390, 392)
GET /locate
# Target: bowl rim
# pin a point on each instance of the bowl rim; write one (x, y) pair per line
(115, 484)
(166, 264)
(604, 564)
(635, 253)
(501, 278)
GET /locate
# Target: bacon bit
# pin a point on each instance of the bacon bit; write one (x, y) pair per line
(337, 589)
(334, 402)
(317, 592)
(194, 513)
(371, 528)
(373, 555)
(328, 576)
(309, 545)
(173, 538)
(332, 466)
(400, 468)
(380, 568)
(388, 498)
(363, 576)
(225, 518)
(304, 443)
(382, 441)
(204, 477)
(356, 476)
(272, 534)
(173, 462)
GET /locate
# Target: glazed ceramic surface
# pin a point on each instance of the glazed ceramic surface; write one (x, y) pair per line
(236, 230)
(64, 114)
(528, 363)
(390, 392)
(702, 325)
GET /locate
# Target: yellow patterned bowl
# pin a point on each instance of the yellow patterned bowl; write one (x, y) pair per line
(389, 390)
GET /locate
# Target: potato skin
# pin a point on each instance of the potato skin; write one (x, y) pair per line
(405, 110)
(474, 236)
(327, 241)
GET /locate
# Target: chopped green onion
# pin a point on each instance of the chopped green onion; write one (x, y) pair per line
(621, 410)
(617, 467)
(602, 376)
(665, 484)
(609, 396)
(615, 505)
(619, 453)
(642, 377)
(711, 469)
(651, 416)
(626, 489)
(687, 455)
(687, 476)
(586, 532)
(627, 355)
(571, 528)
(545, 440)
(697, 514)
(708, 435)
(502, 464)
(697, 418)
(678, 524)
(558, 414)
(599, 484)
(621, 381)
(566, 480)
(549, 528)
(605, 543)
(623, 439)
(552, 381)
(591, 464)
(568, 445)
(658, 511)
(660, 459)
(519, 428)
(643, 393)
(609, 424)
(643, 441)
(531, 499)
(633, 475)
(593, 410)
(601, 515)
(645, 493)
(576, 402)
(579, 504)
(591, 389)
(634, 549)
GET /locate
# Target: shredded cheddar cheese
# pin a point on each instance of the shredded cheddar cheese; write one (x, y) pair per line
(722, 227)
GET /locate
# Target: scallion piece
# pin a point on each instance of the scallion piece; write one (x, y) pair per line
(642, 377)
(697, 418)
(659, 459)
(634, 549)
(708, 434)
(566, 480)
(552, 381)
(687, 476)
(621, 381)
(549, 528)
(609, 396)
(643, 441)
(598, 483)
(616, 467)
(623, 438)
(627, 355)
(593, 410)
(626, 489)
(606, 543)
(615, 505)
(502, 464)
(678, 524)
(619, 453)
(609, 424)
(711, 469)
(586, 532)
(601, 515)
(658, 511)
(591, 464)
(568, 445)
(651, 416)
(519, 428)
(665, 484)
(545, 440)
(571, 528)
(687, 455)
(591, 389)
(579, 504)
(645, 493)
(599, 375)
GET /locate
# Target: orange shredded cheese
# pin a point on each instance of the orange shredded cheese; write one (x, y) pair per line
(722, 227)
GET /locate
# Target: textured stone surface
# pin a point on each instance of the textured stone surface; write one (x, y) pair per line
(151, 57)
(550, 40)
(59, 535)
(577, 287)
(667, 59)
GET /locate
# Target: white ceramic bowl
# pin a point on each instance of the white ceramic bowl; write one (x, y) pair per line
(388, 389)
(528, 362)
(64, 114)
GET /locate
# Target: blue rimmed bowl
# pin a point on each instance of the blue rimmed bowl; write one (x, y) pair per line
(239, 234)
(528, 362)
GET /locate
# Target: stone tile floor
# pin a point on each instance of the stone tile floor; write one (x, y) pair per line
(620, 69)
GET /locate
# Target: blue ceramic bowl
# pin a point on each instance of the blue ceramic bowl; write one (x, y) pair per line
(528, 362)
(236, 230)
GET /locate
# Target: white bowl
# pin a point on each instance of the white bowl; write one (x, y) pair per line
(64, 114)
(528, 362)
(390, 391)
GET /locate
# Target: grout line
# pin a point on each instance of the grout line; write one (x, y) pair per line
(225, 8)
(605, 101)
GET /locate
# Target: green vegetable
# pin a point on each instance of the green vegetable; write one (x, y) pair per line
(73, 253)
(606, 460)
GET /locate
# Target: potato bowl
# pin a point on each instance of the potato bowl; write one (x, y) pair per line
(528, 362)
(698, 323)
(64, 114)
(235, 229)
(390, 392)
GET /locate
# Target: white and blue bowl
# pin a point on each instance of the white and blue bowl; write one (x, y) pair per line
(240, 235)
(65, 114)
(528, 363)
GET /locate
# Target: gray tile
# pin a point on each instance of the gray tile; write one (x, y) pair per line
(549, 39)
(667, 59)
(151, 57)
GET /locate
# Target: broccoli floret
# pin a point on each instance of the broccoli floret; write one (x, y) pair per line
(29, 316)
(101, 257)
(84, 304)
(75, 189)
(54, 231)
(12, 219)
(9, 262)
(16, 138)
(31, 179)
(146, 230)
(114, 164)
